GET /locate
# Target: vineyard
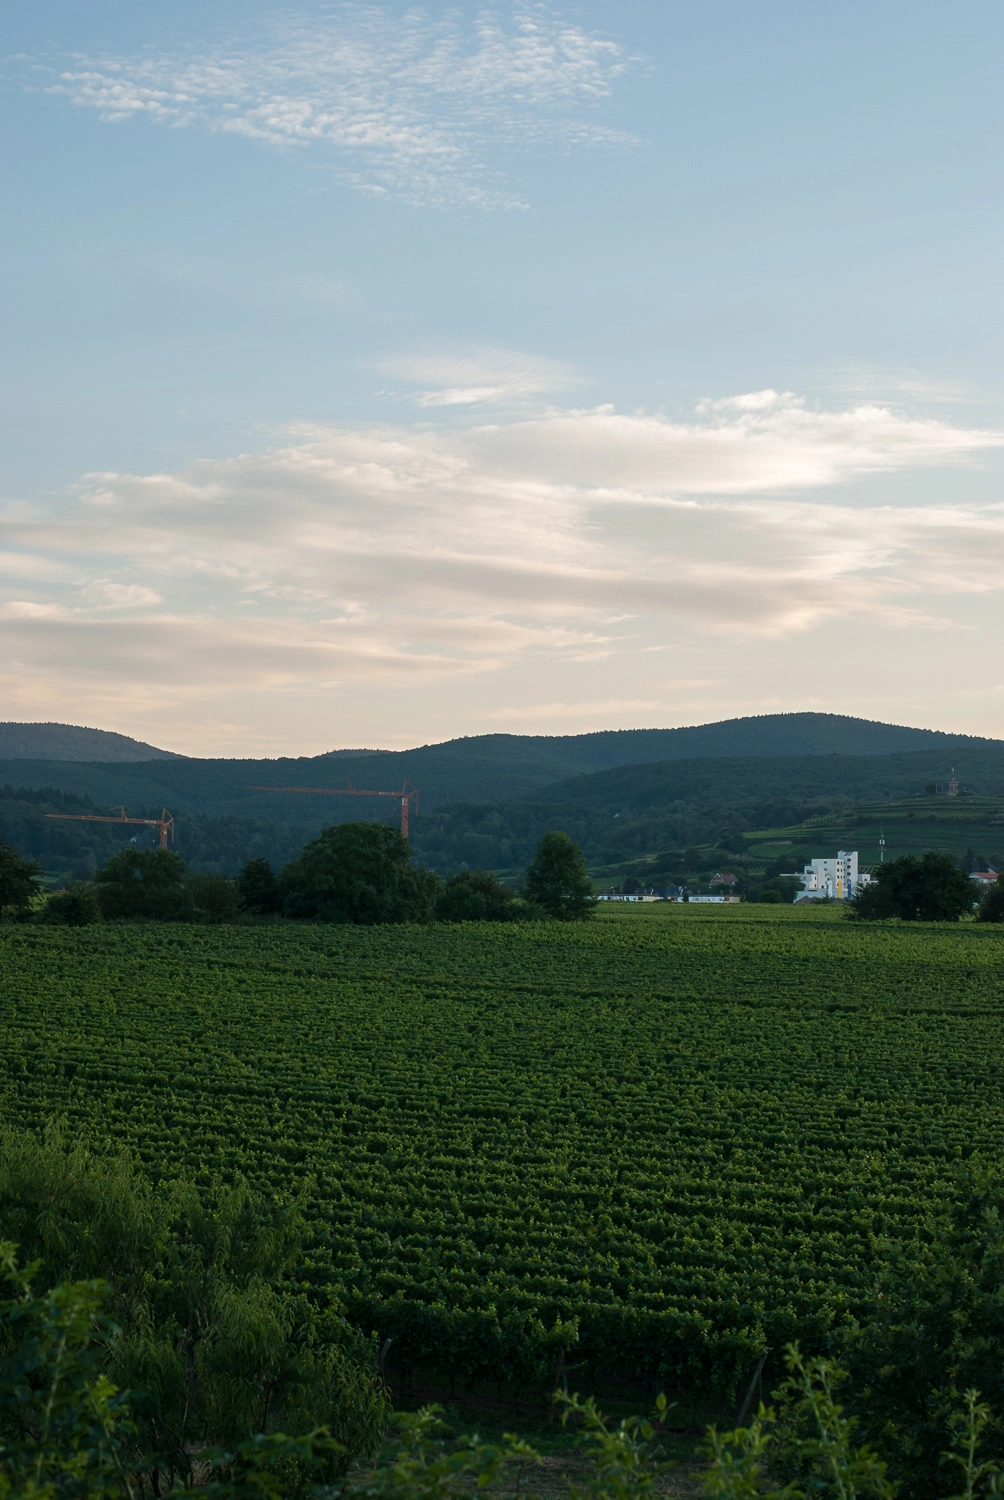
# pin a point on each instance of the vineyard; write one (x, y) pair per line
(685, 1134)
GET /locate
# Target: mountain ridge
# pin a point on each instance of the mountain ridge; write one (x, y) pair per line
(47, 740)
(472, 769)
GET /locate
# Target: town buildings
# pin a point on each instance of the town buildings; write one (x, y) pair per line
(837, 879)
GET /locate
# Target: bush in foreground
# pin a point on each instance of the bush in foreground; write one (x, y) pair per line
(185, 1296)
(66, 1434)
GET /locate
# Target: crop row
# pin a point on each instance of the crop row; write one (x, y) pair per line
(695, 1132)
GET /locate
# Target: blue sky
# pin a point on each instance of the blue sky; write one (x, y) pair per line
(377, 374)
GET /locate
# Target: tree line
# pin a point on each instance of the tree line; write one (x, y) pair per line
(365, 873)
(360, 873)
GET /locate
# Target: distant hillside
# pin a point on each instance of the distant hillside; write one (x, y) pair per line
(619, 814)
(479, 769)
(71, 742)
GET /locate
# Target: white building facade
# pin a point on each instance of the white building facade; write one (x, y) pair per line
(838, 878)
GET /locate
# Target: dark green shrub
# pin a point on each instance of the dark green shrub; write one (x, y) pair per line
(214, 897)
(936, 1329)
(992, 905)
(144, 883)
(925, 889)
(258, 889)
(476, 896)
(77, 907)
(19, 882)
(212, 1337)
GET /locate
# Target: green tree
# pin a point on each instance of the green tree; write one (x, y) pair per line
(144, 883)
(557, 880)
(77, 907)
(358, 872)
(925, 889)
(258, 889)
(992, 905)
(476, 896)
(19, 883)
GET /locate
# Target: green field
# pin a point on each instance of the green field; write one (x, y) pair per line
(696, 1131)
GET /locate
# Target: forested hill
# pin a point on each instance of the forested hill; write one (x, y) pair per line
(616, 814)
(484, 768)
(621, 813)
(34, 742)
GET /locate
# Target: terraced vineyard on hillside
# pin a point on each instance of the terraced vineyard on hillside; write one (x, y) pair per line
(696, 1132)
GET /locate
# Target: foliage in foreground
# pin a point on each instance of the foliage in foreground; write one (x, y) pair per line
(935, 1328)
(66, 1433)
(212, 1332)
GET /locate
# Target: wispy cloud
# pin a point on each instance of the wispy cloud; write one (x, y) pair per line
(405, 104)
(896, 382)
(478, 376)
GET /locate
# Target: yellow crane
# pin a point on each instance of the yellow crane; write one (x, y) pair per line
(165, 822)
(404, 796)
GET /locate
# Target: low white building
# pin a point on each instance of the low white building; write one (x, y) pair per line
(838, 878)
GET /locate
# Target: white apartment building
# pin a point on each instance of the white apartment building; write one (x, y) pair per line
(838, 877)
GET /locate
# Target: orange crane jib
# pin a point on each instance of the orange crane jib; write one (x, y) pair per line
(405, 796)
(165, 822)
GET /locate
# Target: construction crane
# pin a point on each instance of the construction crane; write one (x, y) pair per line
(165, 822)
(404, 796)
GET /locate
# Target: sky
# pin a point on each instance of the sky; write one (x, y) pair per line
(377, 374)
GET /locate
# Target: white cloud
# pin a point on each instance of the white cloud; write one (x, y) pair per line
(406, 103)
(405, 555)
